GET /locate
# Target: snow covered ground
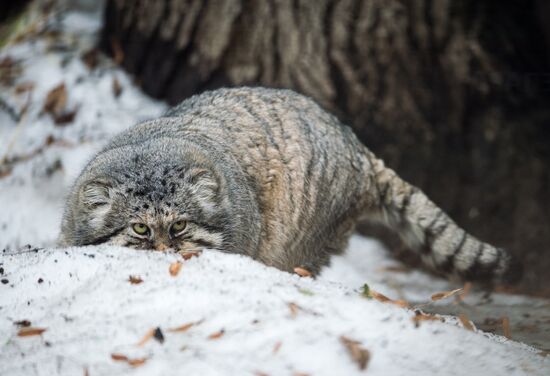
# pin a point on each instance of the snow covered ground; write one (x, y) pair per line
(247, 318)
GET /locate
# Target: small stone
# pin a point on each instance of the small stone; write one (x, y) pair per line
(158, 335)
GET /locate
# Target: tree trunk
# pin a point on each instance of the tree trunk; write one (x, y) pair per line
(451, 94)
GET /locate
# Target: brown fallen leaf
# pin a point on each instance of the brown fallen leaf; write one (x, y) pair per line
(174, 268)
(30, 331)
(188, 255)
(91, 58)
(302, 272)
(10, 70)
(117, 88)
(56, 100)
(4, 173)
(421, 316)
(150, 333)
(444, 294)
(359, 354)
(119, 357)
(65, 117)
(217, 334)
(23, 87)
(277, 347)
(23, 323)
(506, 327)
(260, 373)
(136, 362)
(86, 372)
(135, 279)
(384, 299)
(465, 321)
(294, 308)
(182, 328)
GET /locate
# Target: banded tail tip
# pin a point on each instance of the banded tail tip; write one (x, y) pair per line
(500, 268)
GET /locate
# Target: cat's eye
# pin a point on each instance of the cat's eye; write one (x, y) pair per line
(140, 228)
(178, 227)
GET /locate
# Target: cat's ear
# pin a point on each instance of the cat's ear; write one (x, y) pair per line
(97, 193)
(97, 197)
(204, 181)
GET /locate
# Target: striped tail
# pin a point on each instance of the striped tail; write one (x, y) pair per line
(440, 242)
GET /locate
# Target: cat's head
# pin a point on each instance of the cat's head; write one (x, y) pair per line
(148, 198)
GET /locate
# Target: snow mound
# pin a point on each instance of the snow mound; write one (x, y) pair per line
(265, 321)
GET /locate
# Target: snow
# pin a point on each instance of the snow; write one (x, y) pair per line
(274, 322)
(91, 311)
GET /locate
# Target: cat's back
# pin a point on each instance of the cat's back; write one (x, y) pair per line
(259, 115)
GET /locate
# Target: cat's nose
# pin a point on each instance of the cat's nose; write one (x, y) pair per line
(161, 247)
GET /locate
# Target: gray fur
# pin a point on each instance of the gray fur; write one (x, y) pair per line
(262, 172)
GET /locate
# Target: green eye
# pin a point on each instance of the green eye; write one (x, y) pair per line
(140, 228)
(178, 226)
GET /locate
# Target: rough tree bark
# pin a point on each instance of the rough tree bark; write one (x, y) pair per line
(451, 94)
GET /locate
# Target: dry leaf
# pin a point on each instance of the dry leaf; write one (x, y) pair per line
(421, 316)
(277, 347)
(23, 87)
(174, 268)
(137, 362)
(182, 328)
(86, 372)
(119, 357)
(188, 255)
(91, 58)
(65, 117)
(4, 173)
(150, 333)
(23, 323)
(302, 272)
(133, 362)
(294, 308)
(465, 321)
(56, 100)
(359, 354)
(10, 70)
(117, 88)
(384, 299)
(506, 327)
(444, 294)
(217, 334)
(135, 280)
(380, 297)
(260, 373)
(30, 331)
